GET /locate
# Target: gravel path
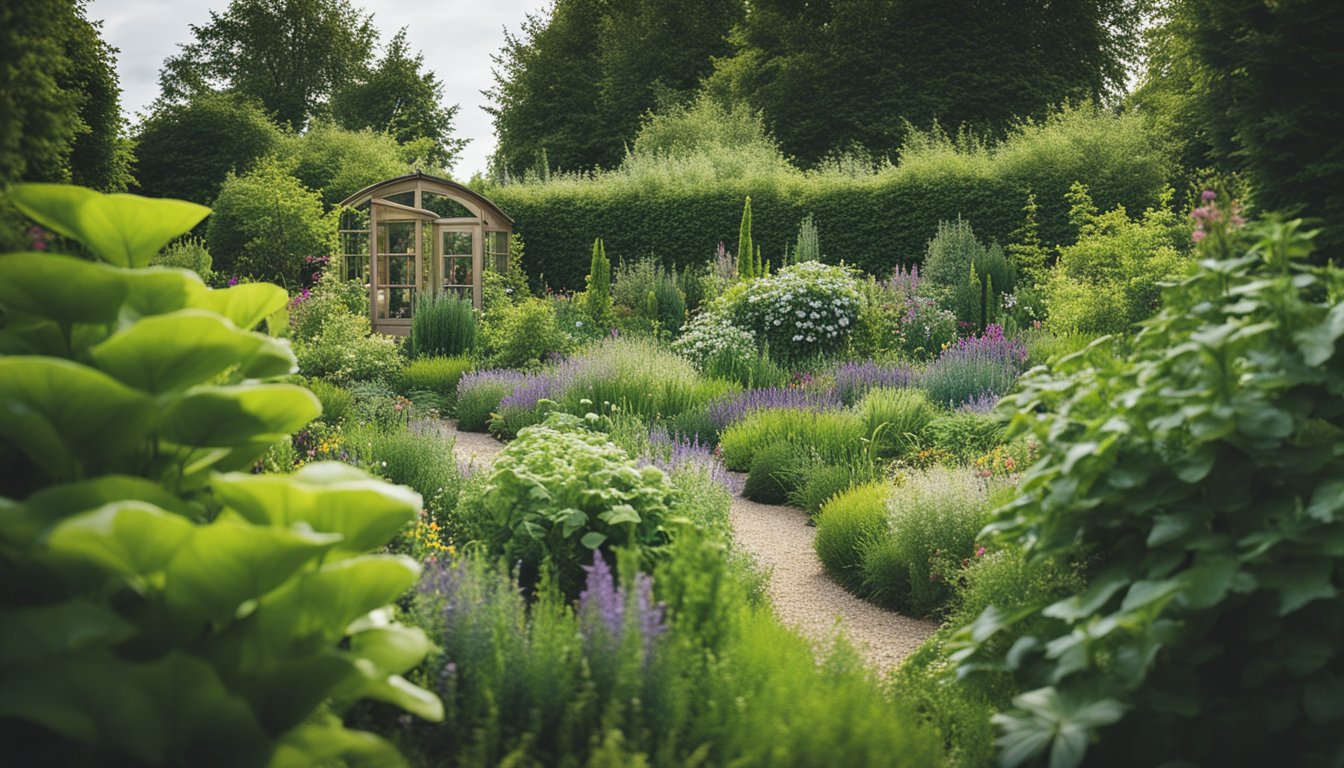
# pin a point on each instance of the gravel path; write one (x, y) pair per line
(804, 597)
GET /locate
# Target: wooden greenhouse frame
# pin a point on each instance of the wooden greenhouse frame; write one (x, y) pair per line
(417, 233)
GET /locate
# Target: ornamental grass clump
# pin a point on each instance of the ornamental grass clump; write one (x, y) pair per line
(634, 376)
(895, 420)
(833, 436)
(443, 325)
(847, 525)
(434, 376)
(975, 367)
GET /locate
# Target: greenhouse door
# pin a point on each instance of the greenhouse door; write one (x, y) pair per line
(458, 260)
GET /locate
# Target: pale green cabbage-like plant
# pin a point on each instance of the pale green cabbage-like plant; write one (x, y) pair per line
(162, 605)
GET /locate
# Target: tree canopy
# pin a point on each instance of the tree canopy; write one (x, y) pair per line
(289, 55)
(398, 97)
(573, 84)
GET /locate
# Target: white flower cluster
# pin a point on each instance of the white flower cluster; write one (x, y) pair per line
(710, 333)
(802, 309)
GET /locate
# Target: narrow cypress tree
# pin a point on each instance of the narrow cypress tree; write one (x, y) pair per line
(598, 298)
(746, 263)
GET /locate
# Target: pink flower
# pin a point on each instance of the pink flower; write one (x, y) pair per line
(1208, 195)
(1198, 235)
(980, 552)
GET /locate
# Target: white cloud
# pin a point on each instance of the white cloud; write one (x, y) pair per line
(457, 37)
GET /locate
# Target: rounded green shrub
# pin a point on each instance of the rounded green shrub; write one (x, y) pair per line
(935, 517)
(802, 311)
(895, 419)
(823, 482)
(557, 493)
(773, 469)
(522, 335)
(266, 224)
(336, 400)
(437, 376)
(847, 527)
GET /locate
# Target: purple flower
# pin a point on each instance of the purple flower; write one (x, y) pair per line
(853, 380)
(603, 607)
(905, 281)
(981, 403)
(727, 410)
(233, 280)
(670, 454)
(1208, 195)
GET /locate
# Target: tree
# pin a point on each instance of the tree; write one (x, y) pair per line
(576, 82)
(597, 299)
(831, 75)
(186, 150)
(336, 162)
(266, 224)
(746, 255)
(289, 55)
(398, 98)
(100, 156)
(1270, 88)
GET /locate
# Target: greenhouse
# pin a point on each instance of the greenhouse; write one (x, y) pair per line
(415, 234)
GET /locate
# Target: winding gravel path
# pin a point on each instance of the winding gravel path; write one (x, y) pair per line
(803, 596)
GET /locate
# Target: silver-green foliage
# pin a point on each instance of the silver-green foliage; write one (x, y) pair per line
(162, 604)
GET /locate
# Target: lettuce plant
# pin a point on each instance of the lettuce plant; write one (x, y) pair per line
(163, 605)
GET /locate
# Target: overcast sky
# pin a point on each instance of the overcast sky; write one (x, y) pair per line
(456, 36)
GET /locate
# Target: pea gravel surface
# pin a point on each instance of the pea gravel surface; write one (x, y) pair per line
(803, 596)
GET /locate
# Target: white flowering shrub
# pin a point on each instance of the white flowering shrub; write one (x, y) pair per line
(800, 311)
(711, 334)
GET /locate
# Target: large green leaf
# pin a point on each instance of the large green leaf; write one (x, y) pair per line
(27, 521)
(229, 416)
(246, 305)
(314, 609)
(174, 351)
(393, 689)
(273, 357)
(29, 635)
(173, 711)
(124, 230)
(131, 538)
(393, 648)
(329, 496)
(159, 290)
(62, 414)
(227, 564)
(309, 745)
(61, 288)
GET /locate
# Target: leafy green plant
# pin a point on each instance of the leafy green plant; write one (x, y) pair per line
(523, 334)
(1200, 484)
(558, 492)
(847, 525)
(422, 461)
(964, 435)
(443, 325)
(164, 605)
(187, 253)
(344, 350)
(819, 482)
(803, 311)
(266, 224)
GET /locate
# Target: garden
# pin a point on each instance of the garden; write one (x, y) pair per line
(1016, 448)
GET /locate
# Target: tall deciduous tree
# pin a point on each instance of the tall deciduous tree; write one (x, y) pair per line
(186, 150)
(576, 81)
(289, 55)
(398, 97)
(828, 75)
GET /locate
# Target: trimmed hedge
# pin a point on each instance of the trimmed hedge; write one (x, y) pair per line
(874, 221)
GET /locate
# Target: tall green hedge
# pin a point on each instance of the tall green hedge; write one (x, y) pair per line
(872, 219)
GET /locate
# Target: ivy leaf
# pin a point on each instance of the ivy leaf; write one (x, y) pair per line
(124, 230)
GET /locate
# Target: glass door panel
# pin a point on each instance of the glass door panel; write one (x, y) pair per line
(396, 269)
(458, 252)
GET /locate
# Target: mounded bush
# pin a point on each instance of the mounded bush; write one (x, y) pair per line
(935, 517)
(823, 482)
(268, 226)
(773, 469)
(801, 311)
(848, 524)
(964, 435)
(336, 400)
(479, 394)
(558, 493)
(438, 376)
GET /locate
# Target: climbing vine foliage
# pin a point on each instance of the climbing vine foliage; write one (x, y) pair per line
(161, 604)
(1201, 481)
